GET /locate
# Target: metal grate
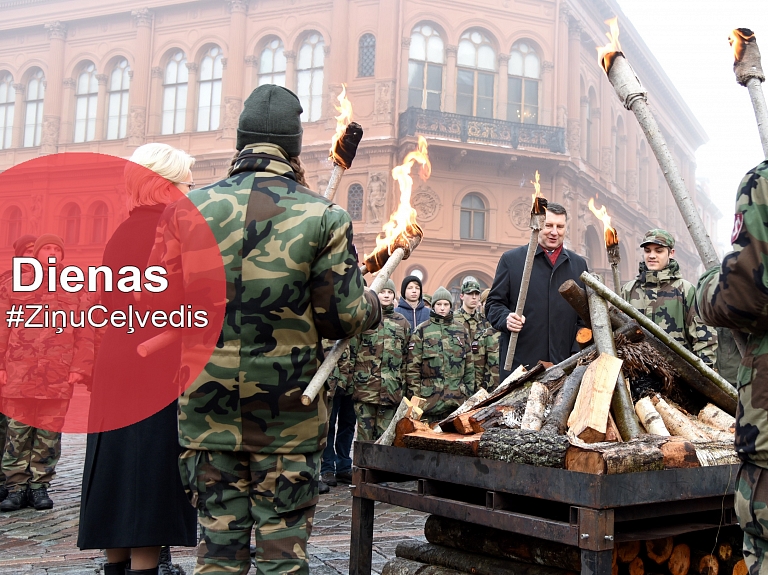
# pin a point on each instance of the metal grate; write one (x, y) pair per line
(355, 202)
(366, 63)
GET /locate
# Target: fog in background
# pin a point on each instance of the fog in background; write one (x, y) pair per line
(690, 40)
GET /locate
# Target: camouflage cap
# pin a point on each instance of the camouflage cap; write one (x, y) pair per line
(427, 298)
(659, 237)
(470, 285)
(442, 293)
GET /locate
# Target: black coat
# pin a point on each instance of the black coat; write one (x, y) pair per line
(132, 494)
(549, 332)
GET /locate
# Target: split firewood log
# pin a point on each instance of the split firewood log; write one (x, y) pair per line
(639, 454)
(715, 453)
(650, 418)
(469, 405)
(679, 453)
(626, 551)
(406, 426)
(584, 337)
(659, 550)
(717, 418)
(611, 431)
(462, 423)
(534, 408)
(636, 567)
(443, 442)
(740, 568)
(676, 422)
(679, 560)
(589, 417)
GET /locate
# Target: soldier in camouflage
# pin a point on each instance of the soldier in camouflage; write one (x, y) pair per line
(253, 449)
(484, 340)
(439, 366)
(377, 362)
(735, 295)
(661, 293)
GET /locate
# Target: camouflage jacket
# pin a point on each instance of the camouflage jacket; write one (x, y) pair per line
(735, 295)
(292, 279)
(439, 366)
(669, 301)
(484, 343)
(37, 360)
(377, 360)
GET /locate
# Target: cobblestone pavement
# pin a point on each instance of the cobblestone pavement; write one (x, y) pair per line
(44, 542)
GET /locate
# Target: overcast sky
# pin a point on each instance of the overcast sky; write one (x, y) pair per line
(690, 40)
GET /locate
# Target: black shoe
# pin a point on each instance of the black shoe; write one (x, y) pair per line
(3, 493)
(38, 498)
(15, 501)
(166, 566)
(345, 477)
(116, 568)
(323, 487)
(329, 479)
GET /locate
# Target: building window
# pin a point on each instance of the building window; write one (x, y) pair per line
(310, 77)
(366, 56)
(117, 114)
(209, 98)
(33, 117)
(474, 77)
(99, 220)
(272, 64)
(175, 94)
(7, 99)
(523, 87)
(12, 224)
(70, 224)
(86, 97)
(355, 202)
(473, 212)
(426, 56)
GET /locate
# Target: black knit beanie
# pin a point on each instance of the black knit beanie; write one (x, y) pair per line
(271, 114)
(409, 279)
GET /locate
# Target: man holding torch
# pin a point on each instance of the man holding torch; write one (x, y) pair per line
(548, 324)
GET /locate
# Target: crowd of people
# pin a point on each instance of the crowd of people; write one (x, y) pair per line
(236, 464)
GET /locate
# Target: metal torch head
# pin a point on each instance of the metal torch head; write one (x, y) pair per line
(408, 240)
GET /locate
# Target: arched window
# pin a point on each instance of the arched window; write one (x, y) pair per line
(70, 224)
(355, 202)
(99, 219)
(272, 64)
(175, 94)
(310, 77)
(7, 100)
(86, 97)
(12, 224)
(595, 248)
(33, 117)
(366, 56)
(209, 95)
(426, 56)
(523, 88)
(474, 78)
(473, 212)
(117, 115)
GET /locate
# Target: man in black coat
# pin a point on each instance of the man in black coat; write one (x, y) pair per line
(548, 325)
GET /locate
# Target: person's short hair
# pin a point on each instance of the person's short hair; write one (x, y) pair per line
(558, 209)
(167, 162)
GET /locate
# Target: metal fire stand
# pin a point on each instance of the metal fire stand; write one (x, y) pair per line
(591, 512)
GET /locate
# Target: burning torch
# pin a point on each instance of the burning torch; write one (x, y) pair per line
(538, 214)
(401, 236)
(749, 73)
(611, 242)
(343, 144)
(634, 98)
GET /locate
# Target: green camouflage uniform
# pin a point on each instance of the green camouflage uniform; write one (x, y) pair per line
(439, 366)
(484, 344)
(669, 301)
(253, 449)
(377, 364)
(735, 295)
(37, 362)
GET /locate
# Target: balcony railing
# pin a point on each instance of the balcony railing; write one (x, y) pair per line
(481, 130)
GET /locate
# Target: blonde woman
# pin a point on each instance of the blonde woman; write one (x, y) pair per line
(133, 503)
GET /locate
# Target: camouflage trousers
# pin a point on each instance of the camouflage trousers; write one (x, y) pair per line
(237, 491)
(751, 506)
(372, 420)
(3, 433)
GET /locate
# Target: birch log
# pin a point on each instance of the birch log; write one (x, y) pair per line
(389, 434)
(717, 418)
(650, 418)
(677, 423)
(534, 409)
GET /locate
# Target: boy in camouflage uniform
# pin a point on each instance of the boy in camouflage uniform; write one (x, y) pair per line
(439, 366)
(661, 293)
(735, 295)
(484, 340)
(377, 361)
(253, 449)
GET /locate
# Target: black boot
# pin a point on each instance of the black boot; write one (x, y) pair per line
(15, 501)
(3, 493)
(116, 568)
(165, 565)
(39, 499)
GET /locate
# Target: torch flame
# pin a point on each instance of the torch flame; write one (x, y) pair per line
(738, 40)
(405, 216)
(607, 53)
(535, 209)
(611, 235)
(342, 120)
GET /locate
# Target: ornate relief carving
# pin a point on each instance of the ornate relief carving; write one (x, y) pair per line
(157, 72)
(192, 67)
(289, 55)
(56, 30)
(142, 16)
(574, 30)
(322, 183)
(102, 79)
(20, 88)
(384, 101)
(50, 133)
(568, 198)
(136, 127)
(407, 42)
(237, 5)
(232, 109)
(377, 197)
(503, 59)
(632, 188)
(426, 203)
(520, 214)
(69, 83)
(606, 163)
(574, 137)
(547, 66)
(451, 50)
(36, 214)
(253, 61)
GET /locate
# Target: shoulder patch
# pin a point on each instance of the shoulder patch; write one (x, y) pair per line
(738, 223)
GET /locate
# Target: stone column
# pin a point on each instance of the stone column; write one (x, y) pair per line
(67, 124)
(573, 136)
(139, 89)
(405, 56)
(17, 138)
(57, 33)
(290, 70)
(583, 128)
(101, 108)
(631, 166)
(501, 105)
(449, 104)
(251, 73)
(233, 82)
(563, 71)
(189, 122)
(546, 115)
(155, 101)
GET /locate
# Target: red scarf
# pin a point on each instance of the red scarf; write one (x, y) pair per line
(554, 254)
